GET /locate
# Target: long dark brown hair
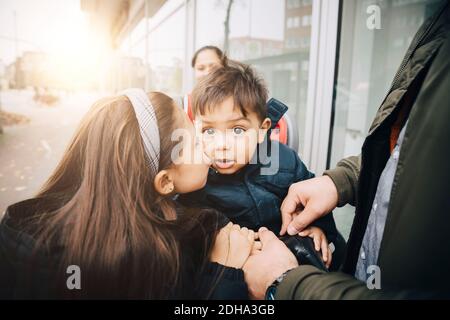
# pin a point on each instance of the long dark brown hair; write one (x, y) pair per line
(101, 208)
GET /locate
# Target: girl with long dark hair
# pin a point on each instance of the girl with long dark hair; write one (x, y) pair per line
(108, 209)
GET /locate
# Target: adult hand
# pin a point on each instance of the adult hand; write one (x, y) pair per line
(306, 202)
(267, 264)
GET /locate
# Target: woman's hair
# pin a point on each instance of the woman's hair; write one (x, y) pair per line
(222, 57)
(102, 209)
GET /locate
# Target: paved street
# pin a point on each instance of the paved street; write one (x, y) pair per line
(29, 152)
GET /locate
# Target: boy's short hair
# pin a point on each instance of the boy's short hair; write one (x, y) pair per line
(234, 79)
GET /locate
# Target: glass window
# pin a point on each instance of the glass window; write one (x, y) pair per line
(164, 45)
(306, 20)
(293, 4)
(166, 50)
(128, 69)
(290, 22)
(368, 60)
(269, 35)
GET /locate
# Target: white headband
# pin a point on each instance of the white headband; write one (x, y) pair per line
(148, 125)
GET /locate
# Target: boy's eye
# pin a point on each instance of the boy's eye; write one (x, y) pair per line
(209, 132)
(238, 131)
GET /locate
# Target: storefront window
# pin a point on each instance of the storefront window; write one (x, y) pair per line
(368, 60)
(157, 57)
(166, 49)
(271, 35)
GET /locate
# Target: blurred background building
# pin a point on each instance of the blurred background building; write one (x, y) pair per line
(320, 57)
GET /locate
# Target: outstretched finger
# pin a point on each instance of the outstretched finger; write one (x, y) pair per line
(330, 257)
(316, 241)
(301, 221)
(286, 219)
(305, 233)
(325, 249)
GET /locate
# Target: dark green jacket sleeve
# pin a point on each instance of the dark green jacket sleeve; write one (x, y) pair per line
(310, 283)
(345, 176)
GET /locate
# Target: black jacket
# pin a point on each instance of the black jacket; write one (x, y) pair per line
(18, 280)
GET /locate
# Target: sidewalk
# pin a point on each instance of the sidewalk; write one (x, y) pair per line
(29, 152)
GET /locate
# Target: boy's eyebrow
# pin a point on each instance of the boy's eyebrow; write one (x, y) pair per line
(238, 119)
(231, 120)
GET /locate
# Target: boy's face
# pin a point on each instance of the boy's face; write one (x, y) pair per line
(229, 138)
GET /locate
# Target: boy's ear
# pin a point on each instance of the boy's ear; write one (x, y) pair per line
(265, 126)
(163, 182)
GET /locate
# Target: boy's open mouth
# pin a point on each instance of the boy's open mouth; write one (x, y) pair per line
(224, 163)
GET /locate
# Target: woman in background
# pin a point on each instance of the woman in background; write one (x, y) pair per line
(207, 59)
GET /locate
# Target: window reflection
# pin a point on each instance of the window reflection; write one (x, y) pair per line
(368, 61)
(271, 35)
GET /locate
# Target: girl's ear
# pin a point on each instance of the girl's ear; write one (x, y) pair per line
(163, 182)
(265, 126)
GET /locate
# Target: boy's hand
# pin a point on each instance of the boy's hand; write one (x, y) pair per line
(241, 245)
(320, 242)
(233, 246)
(219, 252)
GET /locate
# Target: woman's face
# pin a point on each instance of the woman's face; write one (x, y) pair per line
(207, 61)
(191, 164)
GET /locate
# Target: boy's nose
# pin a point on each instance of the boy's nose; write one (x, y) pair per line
(222, 142)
